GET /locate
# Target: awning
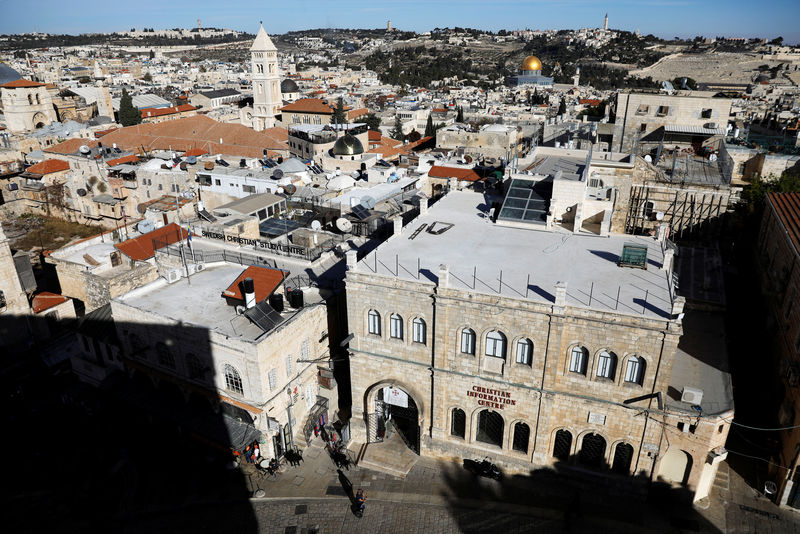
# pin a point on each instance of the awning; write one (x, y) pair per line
(240, 434)
(692, 130)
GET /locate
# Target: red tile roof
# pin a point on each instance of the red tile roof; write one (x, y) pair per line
(356, 113)
(101, 133)
(590, 101)
(46, 300)
(438, 171)
(141, 248)
(372, 135)
(787, 208)
(309, 105)
(187, 133)
(195, 152)
(20, 84)
(158, 112)
(265, 281)
(48, 166)
(133, 158)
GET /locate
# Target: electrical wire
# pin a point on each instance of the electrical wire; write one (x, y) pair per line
(758, 458)
(759, 428)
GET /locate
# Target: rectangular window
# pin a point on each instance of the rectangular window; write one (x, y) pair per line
(632, 371)
(663, 111)
(217, 182)
(643, 128)
(396, 327)
(524, 352)
(288, 366)
(249, 188)
(706, 113)
(419, 331)
(262, 214)
(643, 109)
(273, 379)
(374, 323)
(304, 353)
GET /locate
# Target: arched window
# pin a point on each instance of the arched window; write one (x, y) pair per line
(623, 455)
(606, 364)
(577, 360)
(593, 450)
(634, 370)
(524, 351)
(164, 355)
(522, 434)
(458, 423)
(233, 382)
(30, 99)
(396, 326)
(562, 445)
(418, 330)
(468, 341)
(496, 344)
(490, 428)
(374, 322)
(38, 100)
(194, 367)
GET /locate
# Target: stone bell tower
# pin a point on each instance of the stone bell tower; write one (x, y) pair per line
(266, 82)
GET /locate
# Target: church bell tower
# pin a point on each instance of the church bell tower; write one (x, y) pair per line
(266, 82)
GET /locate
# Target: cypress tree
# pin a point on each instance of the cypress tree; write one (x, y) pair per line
(129, 115)
(429, 130)
(460, 114)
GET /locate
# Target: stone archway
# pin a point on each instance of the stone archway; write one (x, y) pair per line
(393, 403)
(676, 465)
(39, 120)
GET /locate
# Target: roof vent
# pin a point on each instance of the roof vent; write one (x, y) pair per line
(692, 396)
(633, 255)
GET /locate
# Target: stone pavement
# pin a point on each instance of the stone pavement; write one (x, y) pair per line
(440, 497)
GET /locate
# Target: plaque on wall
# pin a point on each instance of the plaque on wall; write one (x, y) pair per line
(597, 418)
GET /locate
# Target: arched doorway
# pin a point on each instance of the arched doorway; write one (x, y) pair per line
(395, 406)
(593, 450)
(623, 455)
(675, 466)
(490, 428)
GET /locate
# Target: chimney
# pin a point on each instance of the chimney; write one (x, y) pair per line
(561, 294)
(398, 226)
(249, 290)
(444, 275)
(352, 259)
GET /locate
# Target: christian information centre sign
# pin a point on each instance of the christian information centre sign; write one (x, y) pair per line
(491, 398)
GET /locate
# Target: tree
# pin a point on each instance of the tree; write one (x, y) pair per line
(152, 54)
(690, 83)
(147, 77)
(429, 131)
(777, 41)
(339, 116)
(562, 107)
(397, 131)
(129, 115)
(460, 114)
(373, 122)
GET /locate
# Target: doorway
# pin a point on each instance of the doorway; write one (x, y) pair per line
(396, 406)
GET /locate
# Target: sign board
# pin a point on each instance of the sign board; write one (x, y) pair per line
(650, 447)
(597, 418)
(395, 397)
(492, 398)
(256, 243)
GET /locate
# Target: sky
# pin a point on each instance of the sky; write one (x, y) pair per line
(664, 18)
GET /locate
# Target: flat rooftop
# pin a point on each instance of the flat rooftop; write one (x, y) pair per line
(199, 304)
(523, 264)
(693, 170)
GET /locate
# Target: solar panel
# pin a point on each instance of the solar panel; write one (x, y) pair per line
(526, 201)
(206, 215)
(270, 163)
(360, 211)
(264, 316)
(275, 227)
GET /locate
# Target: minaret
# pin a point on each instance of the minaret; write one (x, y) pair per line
(576, 80)
(266, 83)
(605, 22)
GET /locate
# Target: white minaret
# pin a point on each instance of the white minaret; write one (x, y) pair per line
(605, 22)
(266, 82)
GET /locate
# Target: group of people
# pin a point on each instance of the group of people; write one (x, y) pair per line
(251, 453)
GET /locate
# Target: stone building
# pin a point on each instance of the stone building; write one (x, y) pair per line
(492, 140)
(535, 348)
(27, 105)
(217, 340)
(779, 255)
(644, 121)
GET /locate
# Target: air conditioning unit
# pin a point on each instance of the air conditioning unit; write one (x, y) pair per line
(200, 266)
(692, 395)
(173, 276)
(712, 125)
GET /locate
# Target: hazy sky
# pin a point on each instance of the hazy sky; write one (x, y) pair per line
(665, 18)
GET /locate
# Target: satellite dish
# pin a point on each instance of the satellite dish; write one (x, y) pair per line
(84, 149)
(290, 189)
(145, 226)
(316, 225)
(191, 160)
(344, 225)
(368, 202)
(277, 174)
(141, 208)
(468, 159)
(81, 192)
(280, 191)
(659, 215)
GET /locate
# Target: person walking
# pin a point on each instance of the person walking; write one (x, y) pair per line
(256, 453)
(360, 502)
(248, 455)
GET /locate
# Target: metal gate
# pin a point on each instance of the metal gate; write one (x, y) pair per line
(406, 421)
(376, 424)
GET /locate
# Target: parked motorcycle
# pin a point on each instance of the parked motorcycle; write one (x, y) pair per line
(483, 468)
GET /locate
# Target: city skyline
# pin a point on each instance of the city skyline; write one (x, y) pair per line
(664, 18)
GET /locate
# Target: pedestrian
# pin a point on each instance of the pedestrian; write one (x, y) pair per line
(256, 453)
(248, 455)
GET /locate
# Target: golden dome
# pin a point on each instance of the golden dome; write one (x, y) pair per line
(531, 63)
